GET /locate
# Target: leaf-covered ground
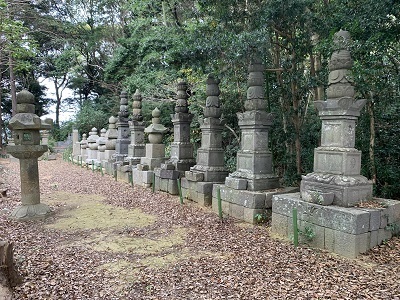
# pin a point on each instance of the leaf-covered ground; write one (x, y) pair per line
(107, 240)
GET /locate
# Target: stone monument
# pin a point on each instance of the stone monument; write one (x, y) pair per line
(84, 146)
(92, 147)
(111, 140)
(325, 204)
(101, 147)
(198, 182)
(76, 147)
(337, 164)
(248, 191)
(26, 127)
(122, 143)
(181, 148)
(136, 149)
(155, 152)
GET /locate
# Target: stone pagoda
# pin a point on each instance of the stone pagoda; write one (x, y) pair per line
(26, 127)
(84, 145)
(210, 169)
(122, 143)
(111, 140)
(92, 148)
(326, 204)
(136, 149)
(101, 147)
(155, 151)
(181, 148)
(337, 164)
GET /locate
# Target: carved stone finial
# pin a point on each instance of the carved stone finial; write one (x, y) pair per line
(137, 106)
(255, 91)
(212, 108)
(181, 103)
(123, 107)
(155, 129)
(340, 80)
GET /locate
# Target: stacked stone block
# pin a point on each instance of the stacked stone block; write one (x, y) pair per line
(181, 148)
(136, 149)
(329, 196)
(155, 152)
(209, 169)
(254, 176)
(342, 230)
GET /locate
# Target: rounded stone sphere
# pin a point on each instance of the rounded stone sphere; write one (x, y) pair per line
(155, 138)
(25, 96)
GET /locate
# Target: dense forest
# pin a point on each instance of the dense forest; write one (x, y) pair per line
(97, 48)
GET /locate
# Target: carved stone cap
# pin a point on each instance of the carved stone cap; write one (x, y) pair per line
(155, 126)
(341, 107)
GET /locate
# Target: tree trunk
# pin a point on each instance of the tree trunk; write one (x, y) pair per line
(12, 85)
(1, 113)
(8, 274)
(370, 107)
(58, 103)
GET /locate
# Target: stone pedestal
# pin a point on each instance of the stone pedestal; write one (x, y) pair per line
(83, 144)
(254, 174)
(92, 148)
(122, 143)
(25, 126)
(325, 205)
(76, 146)
(143, 173)
(136, 149)
(345, 231)
(209, 169)
(181, 148)
(111, 140)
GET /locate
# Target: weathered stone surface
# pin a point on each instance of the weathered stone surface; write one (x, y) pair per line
(26, 128)
(337, 163)
(349, 220)
(236, 183)
(194, 176)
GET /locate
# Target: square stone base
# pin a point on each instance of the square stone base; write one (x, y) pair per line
(142, 178)
(243, 204)
(345, 231)
(166, 185)
(346, 196)
(200, 192)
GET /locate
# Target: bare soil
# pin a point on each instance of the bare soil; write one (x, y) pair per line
(107, 240)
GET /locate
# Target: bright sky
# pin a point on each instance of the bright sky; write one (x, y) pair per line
(66, 112)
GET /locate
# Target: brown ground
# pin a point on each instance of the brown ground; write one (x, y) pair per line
(108, 240)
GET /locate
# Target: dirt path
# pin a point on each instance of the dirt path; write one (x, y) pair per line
(107, 240)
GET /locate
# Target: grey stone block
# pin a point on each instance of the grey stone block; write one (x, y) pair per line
(375, 218)
(349, 220)
(173, 187)
(236, 183)
(373, 239)
(250, 213)
(279, 225)
(147, 177)
(167, 166)
(236, 211)
(203, 199)
(350, 245)
(270, 194)
(194, 176)
(384, 235)
(141, 167)
(204, 187)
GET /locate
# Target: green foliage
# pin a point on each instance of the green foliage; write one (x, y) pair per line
(308, 233)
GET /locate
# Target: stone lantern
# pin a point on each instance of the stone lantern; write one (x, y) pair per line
(26, 128)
